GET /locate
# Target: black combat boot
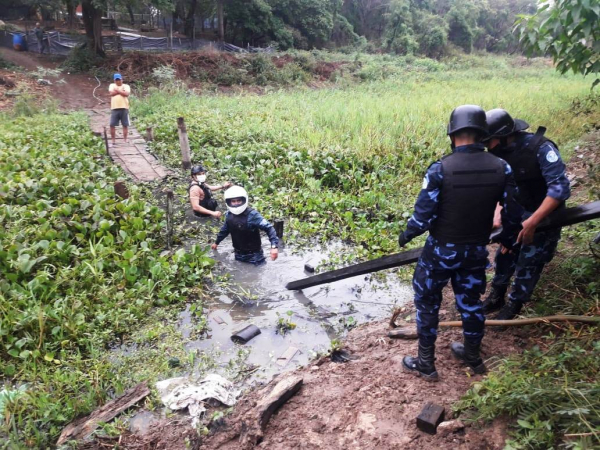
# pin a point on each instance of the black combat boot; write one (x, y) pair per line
(510, 310)
(494, 300)
(423, 365)
(469, 354)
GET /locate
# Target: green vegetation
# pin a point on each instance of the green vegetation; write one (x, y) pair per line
(567, 30)
(79, 268)
(347, 162)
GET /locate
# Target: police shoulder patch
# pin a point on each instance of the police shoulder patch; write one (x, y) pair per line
(425, 182)
(551, 156)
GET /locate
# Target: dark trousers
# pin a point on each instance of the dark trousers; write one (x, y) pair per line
(464, 266)
(526, 264)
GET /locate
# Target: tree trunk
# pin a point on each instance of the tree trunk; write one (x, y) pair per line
(70, 13)
(220, 15)
(92, 19)
(131, 16)
(190, 19)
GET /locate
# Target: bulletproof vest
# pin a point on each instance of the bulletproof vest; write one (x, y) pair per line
(521, 155)
(208, 202)
(245, 239)
(472, 185)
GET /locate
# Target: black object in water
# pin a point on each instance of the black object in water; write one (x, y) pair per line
(243, 336)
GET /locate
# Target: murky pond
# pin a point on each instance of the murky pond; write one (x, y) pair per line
(257, 295)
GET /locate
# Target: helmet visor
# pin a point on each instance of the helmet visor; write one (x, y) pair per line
(235, 202)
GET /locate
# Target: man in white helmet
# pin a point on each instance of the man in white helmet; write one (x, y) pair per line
(244, 225)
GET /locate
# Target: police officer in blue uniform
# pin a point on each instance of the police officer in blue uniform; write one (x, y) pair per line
(244, 224)
(543, 187)
(456, 205)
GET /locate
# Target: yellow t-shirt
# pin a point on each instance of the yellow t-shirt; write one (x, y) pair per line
(119, 101)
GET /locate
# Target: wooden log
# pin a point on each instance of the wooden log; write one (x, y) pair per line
(429, 419)
(82, 428)
(184, 144)
(254, 426)
(565, 217)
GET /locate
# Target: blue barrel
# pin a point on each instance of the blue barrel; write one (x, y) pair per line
(19, 42)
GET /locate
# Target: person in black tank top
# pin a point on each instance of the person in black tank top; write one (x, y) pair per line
(456, 205)
(543, 187)
(200, 194)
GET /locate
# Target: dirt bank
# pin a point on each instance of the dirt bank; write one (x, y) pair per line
(370, 403)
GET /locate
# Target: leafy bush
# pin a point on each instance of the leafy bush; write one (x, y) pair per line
(4, 64)
(80, 60)
(78, 267)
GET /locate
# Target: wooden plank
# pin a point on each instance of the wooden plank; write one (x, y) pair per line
(387, 262)
(82, 428)
(254, 425)
(287, 356)
(565, 217)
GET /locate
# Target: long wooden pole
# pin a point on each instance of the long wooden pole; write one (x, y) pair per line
(565, 217)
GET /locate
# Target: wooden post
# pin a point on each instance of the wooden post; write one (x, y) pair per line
(184, 144)
(106, 142)
(170, 199)
(149, 134)
(278, 225)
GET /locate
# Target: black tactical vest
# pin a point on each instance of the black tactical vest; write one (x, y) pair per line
(472, 185)
(521, 155)
(208, 202)
(245, 239)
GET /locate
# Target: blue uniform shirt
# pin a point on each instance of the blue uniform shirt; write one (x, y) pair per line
(553, 170)
(255, 220)
(426, 206)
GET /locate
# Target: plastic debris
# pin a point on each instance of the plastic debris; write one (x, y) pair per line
(181, 392)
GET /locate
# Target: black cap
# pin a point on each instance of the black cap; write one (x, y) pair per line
(501, 124)
(197, 169)
(467, 117)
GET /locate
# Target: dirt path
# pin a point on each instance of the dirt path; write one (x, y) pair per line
(83, 92)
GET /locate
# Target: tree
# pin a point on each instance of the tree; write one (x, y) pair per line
(460, 32)
(567, 30)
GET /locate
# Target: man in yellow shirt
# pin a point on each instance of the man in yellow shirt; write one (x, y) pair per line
(119, 105)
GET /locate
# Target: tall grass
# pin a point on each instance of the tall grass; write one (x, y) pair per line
(346, 161)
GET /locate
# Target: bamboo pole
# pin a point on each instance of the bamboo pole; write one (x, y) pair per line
(410, 332)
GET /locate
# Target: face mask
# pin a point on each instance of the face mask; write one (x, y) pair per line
(201, 178)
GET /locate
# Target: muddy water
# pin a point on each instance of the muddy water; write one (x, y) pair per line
(257, 295)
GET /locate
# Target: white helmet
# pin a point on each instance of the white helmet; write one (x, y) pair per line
(236, 192)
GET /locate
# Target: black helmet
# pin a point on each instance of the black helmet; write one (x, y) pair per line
(467, 116)
(197, 169)
(501, 124)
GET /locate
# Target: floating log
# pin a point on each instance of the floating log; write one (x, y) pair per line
(565, 217)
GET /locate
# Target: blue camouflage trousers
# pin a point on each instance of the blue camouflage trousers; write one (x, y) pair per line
(256, 258)
(464, 266)
(526, 264)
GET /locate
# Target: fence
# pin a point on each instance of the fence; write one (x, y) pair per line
(62, 43)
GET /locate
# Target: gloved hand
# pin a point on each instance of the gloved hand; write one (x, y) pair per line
(402, 240)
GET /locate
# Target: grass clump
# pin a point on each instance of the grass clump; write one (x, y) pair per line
(81, 59)
(78, 268)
